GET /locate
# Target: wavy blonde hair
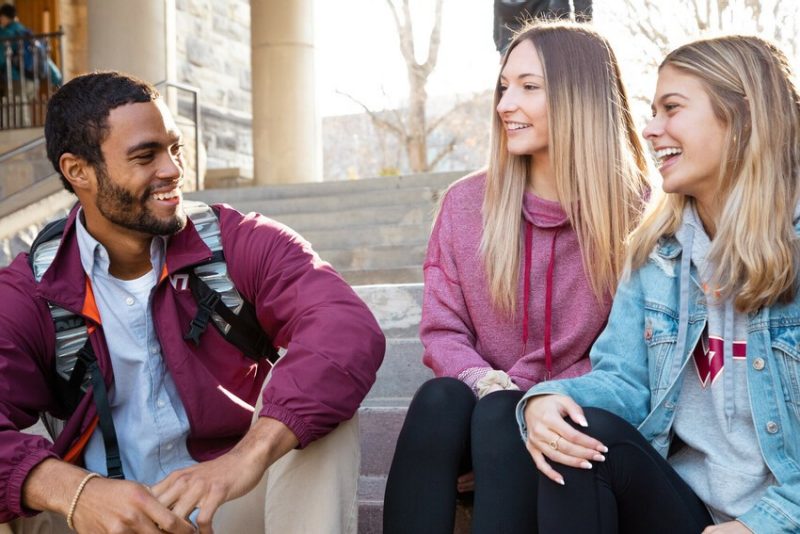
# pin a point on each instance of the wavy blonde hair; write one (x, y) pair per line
(597, 159)
(755, 250)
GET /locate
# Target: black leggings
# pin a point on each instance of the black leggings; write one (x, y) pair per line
(447, 433)
(634, 490)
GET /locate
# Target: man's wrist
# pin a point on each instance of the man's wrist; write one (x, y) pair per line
(51, 486)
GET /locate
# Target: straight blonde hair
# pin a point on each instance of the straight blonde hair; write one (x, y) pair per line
(598, 161)
(755, 251)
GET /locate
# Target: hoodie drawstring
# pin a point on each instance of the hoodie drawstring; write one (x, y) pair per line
(548, 298)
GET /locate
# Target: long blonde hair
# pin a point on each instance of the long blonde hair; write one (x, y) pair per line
(597, 159)
(755, 250)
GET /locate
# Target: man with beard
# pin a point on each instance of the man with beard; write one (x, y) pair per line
(182, 411)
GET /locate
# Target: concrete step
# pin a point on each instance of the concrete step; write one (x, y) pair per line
(378, 257)
(369, 235)
(398, 310)
(363, 216)
(379, 430)
(438, 181)
(401, 374)
(396, 275)
(397, 307)
(327, 203)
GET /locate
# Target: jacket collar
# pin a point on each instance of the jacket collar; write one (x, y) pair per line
(64, 282)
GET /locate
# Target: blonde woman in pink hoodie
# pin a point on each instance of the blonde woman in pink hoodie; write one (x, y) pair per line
(521, 267)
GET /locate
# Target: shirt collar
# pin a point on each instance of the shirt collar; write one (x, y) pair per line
(94, 256)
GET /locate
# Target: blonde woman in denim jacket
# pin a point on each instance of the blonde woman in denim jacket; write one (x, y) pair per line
(701, 354)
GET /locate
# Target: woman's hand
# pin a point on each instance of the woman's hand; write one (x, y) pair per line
(551, 436)
(730, 527)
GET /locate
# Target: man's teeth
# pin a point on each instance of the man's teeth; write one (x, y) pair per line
(516, 125)
(164, 196)
(666, 152)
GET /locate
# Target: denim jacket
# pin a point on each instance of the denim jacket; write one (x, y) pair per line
(637, 370)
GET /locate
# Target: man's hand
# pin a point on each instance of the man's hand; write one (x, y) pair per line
(730, 527)
(466, 482)
(207, 485)
(551, 437)
(104, 506)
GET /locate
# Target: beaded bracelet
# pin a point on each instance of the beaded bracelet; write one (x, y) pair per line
(78, 492)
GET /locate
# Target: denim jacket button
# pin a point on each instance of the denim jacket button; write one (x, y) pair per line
(669, 405)
(772, 427)
(758, 364)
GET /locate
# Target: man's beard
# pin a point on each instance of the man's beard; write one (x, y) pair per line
(122, 208)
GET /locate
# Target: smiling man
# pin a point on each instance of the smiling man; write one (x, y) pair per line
(182, 417)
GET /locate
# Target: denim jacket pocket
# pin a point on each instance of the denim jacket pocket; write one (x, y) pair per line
(660, 336)
(786, 349)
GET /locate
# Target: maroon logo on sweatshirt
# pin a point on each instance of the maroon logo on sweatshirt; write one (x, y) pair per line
(709, 357)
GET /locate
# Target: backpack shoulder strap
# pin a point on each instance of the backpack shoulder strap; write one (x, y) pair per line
(217, 298)
(76, 364)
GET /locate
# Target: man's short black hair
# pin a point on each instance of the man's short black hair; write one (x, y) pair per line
(7, 10)
(77, 114)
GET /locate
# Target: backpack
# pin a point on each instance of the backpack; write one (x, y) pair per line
(218, 302)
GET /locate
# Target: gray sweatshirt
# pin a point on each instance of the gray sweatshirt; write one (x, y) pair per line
(722, 461)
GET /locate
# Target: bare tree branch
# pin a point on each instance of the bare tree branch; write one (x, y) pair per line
(435, 39)
(449, 113)
(375, 117)
(404, 30)
(443, 152)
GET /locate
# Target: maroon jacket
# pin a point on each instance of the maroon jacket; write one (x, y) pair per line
(333, 345)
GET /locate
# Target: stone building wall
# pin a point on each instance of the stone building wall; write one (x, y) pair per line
(213, 54)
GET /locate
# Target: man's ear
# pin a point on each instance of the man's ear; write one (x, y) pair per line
(76, 170)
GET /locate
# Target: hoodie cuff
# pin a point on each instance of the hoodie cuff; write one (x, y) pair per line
(471, 375)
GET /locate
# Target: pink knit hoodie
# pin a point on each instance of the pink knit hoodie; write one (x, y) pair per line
(464, 336)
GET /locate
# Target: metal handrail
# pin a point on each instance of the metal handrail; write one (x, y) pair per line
(58, 33)
(30, 145)
(195, 92)
(28, 87)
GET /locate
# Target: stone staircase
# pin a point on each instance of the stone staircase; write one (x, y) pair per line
(373, 230)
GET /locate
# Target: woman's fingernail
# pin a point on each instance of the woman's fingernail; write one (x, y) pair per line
(586, 465)
(582, 421)
(599, 458)
(560, 481)
(603, 449)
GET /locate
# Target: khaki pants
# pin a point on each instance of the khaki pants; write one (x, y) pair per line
(308, 491)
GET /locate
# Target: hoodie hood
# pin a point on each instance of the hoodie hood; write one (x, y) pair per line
(543, 213)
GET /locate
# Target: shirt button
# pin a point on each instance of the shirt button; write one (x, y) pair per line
(153, 350)
(160, 404)
(129, 301)
(772, 427)
(169, 446)
(669, 405)
(758, 364)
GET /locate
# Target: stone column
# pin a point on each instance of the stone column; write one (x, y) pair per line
(129, 36)
(286, 129)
